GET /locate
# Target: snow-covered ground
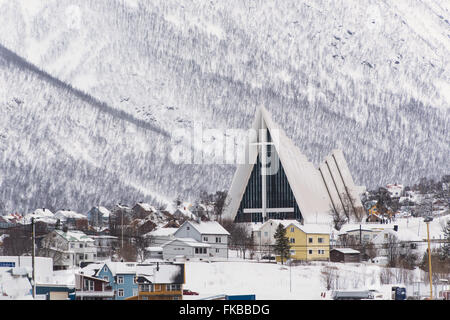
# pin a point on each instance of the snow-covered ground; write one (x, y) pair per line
(272, 281)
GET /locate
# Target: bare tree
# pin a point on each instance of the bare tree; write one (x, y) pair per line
(240, 237)
(329, 276)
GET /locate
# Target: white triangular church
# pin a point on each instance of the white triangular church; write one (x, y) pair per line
(278, 182)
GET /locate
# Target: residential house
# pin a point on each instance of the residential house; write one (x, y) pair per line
(121, 277)
(403, 241)
(344, 255)
(160, 282)
(351, 233)
(159, 236)
(68, 248)
(72, 219)
(308, 242)
(395, 190)
(92, 288)
(105, 245)
(153, 253)
(186, 248)
(208, 232)
(263, 233)
(98, 216)
(142, 210)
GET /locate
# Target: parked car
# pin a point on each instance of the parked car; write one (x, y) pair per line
(188, 292)
(268, 258)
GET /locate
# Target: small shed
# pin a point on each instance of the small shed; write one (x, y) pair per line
(345, 255)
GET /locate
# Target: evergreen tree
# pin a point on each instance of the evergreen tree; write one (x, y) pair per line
(445, 252)
(282, 245)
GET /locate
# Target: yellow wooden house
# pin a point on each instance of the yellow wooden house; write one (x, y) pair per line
(165, 282)
(309, 242)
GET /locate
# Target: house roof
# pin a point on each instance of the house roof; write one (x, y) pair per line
(208, 227)
(160, 232)
(346, 250)
(146, 206)
(189, 242)
(73, 235)
(120, 267)
(308, 228)
(161, 273)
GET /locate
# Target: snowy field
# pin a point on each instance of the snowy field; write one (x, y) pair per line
(270, 281)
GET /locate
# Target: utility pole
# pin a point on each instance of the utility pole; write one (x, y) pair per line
(32, 257)
(427, 221)
(122, 228)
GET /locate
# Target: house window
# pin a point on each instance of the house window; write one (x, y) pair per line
(175, 287)
(218, 239)
(320, 240)
(120, 279)
(292, 240)
(81, 256)
(310, 240)
(91, 285)
(205, 239)
(188, 228)
(217, 250)
(106, 278)
(292, 252)
(120, 293)
(292, 229)
(72, 245)
(310, 251)
(321, 251)
(81, 245)
(200, 250)
(105, 269)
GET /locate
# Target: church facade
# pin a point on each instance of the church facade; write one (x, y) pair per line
(278, 182)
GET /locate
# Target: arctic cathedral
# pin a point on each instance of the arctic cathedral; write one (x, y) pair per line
(278, 182)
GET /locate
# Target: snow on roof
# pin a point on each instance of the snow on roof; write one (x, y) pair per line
(208, 227)
(169, 273)
(68, 214)
(189, 242)
(14, 287)
(121, 267)
(364, 227)
(74, 235)
(185, 212)
(161, 273)
(91, 269)
(105, 212)
(162, 232)
(308, 228)
(43, 212)
(154, 249)
(146, 206)
(346, 250)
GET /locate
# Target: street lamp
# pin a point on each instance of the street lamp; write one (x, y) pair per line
(427, 220)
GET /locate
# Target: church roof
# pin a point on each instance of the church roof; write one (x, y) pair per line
(314, 190)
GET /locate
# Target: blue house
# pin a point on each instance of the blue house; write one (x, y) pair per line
(121, 277)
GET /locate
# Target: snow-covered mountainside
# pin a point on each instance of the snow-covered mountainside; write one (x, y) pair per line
(93, 123)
